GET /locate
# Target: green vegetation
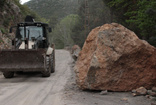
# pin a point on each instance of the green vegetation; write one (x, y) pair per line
(99, 14)
(11, 14)
(53, 10)
(57, 11)
(62, 32)
(6, 22)
(60, 16)
(1, 41)
(3, 30)
(137, 15)
(26, 11)
(2, 2)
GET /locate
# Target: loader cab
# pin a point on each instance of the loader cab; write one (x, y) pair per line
(31, 32)
(35, 34)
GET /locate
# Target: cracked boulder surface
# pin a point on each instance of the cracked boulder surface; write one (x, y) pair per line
(114, 58)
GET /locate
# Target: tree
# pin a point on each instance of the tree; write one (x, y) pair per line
(138, 15)
(144, 17)
(99, 14)
(63, 31)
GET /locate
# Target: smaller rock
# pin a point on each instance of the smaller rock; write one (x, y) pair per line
(154, 89)
(151, 93)
(153, 103)
(104, 92)
(134, 94)
(124, 99)
(147, 96)
(133, 91)
(141, 91)
(151, 97)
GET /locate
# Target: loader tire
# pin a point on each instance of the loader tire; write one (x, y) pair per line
(47, 72)
(53, 62)
(8, 74)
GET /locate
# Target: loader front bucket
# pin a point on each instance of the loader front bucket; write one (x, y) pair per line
(22, 60)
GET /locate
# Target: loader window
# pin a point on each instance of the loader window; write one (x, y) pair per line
(33, 31)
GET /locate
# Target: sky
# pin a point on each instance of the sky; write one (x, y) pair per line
(23, 1)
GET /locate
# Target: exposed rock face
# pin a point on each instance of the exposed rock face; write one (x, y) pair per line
(10, 15)
(5, 41)
(114, 58)
(15, 8)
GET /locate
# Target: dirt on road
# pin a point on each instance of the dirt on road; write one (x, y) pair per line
(59, 89)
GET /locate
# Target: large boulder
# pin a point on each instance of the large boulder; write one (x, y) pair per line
(114, 58)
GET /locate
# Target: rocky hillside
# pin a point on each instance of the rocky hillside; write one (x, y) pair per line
(11, 12)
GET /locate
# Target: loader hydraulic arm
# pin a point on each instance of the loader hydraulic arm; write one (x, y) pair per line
(16, 43)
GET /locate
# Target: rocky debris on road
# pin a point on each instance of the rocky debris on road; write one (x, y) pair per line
(151, 93)
(104, 92)
(154, 89)
(133, 91)
(141, 91)
(124, 99)
(114, 58)
(144, 92)
(75, 96)
(75, 52)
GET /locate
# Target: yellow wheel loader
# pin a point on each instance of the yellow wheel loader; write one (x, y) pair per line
(31, 50)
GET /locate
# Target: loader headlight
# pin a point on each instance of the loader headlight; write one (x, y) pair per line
(43, 38)
(21, 24)
(38, 25)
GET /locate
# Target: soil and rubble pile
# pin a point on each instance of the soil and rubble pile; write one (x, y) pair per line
(114, 58)
(75, 52)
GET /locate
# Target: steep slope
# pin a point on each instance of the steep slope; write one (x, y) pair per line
(11, 13)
